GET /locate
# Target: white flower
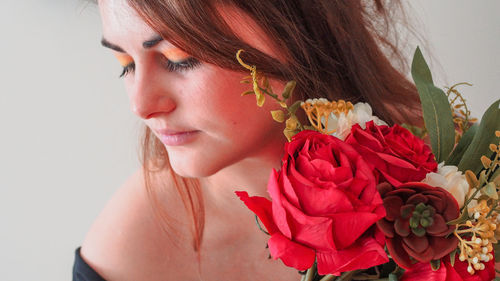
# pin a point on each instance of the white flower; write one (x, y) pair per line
(342, 122)
(451, 179)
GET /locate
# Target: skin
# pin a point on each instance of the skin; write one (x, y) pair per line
(235, 146)
(230, 152)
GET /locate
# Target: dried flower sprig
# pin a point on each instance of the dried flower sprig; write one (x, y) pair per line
(481, 213)
(293, 125)
(318, 111)
(461, 113)
(489, 178)
(476, 237)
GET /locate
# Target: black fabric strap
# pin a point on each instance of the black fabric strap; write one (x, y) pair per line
(82, 271)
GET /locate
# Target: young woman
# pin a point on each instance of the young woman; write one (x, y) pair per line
(178, 218)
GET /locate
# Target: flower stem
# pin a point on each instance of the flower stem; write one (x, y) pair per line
(310, 273)
(347, 276)
(495, 203)
(260, 227)
(274, 96)
(328, 277)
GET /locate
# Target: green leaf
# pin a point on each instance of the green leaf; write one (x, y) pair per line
(496, 177)
(462, 146)
(490, 190)
(463, 218)
(452, 257)
(436, 109)
(496, 249)
(435, 264)
(490, 122)
(415, 130)
(393, 277)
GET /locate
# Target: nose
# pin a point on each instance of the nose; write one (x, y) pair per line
(149, 94)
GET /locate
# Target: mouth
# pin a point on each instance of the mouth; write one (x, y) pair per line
(176, 138)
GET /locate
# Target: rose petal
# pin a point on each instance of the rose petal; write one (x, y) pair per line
(452, 274)
(361, 137)
(317, 201)
(365, 254)
(315, 232)
(305, 167)
(261, 207)
(460, 269)
(396, 161)
(279, 214)
(288, 191)
(292, 254)
(423, 271)
(346, 229)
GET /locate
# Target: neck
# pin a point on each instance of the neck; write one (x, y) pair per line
(250, 174)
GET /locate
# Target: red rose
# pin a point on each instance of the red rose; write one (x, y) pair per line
(415, 224)
(394, 151)
(324, 205)
(447, 272)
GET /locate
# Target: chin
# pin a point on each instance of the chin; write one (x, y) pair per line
(190, 168)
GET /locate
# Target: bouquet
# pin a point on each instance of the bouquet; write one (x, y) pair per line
(356, 199)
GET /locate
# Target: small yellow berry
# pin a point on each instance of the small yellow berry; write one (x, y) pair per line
(470, 270)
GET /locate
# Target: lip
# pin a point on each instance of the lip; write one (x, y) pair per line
(176, 138)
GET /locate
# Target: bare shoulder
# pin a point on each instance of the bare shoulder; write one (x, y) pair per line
(125, 241)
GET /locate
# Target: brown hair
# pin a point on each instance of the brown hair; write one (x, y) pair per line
(334, 49)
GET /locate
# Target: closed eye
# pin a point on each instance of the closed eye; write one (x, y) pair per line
(127, 69)
(181, 66)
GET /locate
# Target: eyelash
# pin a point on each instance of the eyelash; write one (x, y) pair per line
(184, 65)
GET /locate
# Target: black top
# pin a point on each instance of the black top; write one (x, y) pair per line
(82, 271)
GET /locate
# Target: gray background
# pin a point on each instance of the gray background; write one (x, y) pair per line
(68, 139)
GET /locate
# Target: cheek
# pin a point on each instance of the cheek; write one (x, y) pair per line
(226, 114)
(220, 95)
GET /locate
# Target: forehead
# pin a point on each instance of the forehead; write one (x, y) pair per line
(121, 24)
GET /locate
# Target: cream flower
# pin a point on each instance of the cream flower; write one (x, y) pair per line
(451, 179)
(343, 122)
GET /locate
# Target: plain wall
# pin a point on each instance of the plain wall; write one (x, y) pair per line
(68, 139)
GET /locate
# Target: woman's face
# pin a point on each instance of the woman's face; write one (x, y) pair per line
(195, 108)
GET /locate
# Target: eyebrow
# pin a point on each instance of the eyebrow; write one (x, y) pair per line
(146, 44)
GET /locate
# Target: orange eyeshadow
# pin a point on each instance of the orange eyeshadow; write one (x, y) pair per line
(124, 59)
(175, 54)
